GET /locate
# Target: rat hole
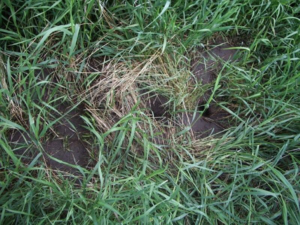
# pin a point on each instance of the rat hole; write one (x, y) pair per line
(206, 112)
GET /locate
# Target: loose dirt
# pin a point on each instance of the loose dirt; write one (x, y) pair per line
(205, 66)
(201, 126)
(68, 145)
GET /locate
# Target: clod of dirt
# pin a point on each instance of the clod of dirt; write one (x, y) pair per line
(69, 151)
(204, 67)
(201, 126)
(68, 146)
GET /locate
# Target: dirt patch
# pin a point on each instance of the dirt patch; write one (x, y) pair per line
(71, 125)
(21, 145)
(67, 145)
(73, 152)
(216, 113)
(205, 122)
(208, 62)
(158, 106)
(201, 127)
(205, 65)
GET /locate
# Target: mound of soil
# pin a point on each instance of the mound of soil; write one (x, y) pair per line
(200, 126)
(204, 67)
(73, 152)
(68, 145)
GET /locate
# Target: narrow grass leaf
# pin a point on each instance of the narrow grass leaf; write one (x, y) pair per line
(74, 40)
(287, 184)
(161, 13)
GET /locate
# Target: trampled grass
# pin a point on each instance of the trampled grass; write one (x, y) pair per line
(108, 57)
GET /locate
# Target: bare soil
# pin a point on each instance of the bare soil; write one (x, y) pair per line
(68, 145)
(201, 126)
(209, 60)
(204, 66)
(158, 106)
(21, 143)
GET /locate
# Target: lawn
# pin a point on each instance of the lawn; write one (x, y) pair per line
(150, 112)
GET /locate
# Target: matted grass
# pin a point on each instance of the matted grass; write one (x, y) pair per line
(113, 59)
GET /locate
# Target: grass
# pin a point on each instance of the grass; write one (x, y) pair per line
(100, 54)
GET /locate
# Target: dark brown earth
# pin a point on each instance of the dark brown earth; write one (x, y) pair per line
(216, 113)
(63, 142)
(201, 126)
(205, 66)
(21, 143)
(209, 61)
(158, 106)
(74, 153)
(66, 145)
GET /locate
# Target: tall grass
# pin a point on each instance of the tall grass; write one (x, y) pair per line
(53, 51)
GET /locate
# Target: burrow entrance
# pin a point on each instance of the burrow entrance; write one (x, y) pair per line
(67, 144)
(204, 67)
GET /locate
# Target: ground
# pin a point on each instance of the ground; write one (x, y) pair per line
(149, 112)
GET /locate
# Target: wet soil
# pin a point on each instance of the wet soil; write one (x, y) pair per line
(209, 60)
(158, 106)
(204, 67)
(200, 126)
(66, 144)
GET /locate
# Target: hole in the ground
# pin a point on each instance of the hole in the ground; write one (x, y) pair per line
(157, 104)
(206, 112)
